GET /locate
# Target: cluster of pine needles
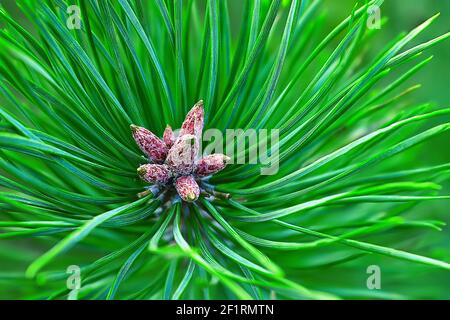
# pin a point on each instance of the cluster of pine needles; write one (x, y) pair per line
(343, 199)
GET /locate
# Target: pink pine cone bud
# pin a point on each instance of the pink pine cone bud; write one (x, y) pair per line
(193, 124)
(150, 144)
(182, 155)
(187, 188)
(211, 164)
(154, 173)
(168, 136)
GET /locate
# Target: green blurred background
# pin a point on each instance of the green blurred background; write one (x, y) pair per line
(403, 15)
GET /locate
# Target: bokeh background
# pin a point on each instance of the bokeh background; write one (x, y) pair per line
(403, 15)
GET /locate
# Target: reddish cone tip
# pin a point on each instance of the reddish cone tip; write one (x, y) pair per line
(187, 188)
(182, 155)
(168, 136)
(150, 144)
(193, 124)
(154, 173)
(174, 158)
(211, 164)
